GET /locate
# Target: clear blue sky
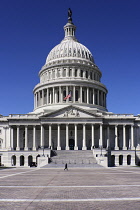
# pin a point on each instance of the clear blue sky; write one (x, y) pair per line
(31, 28)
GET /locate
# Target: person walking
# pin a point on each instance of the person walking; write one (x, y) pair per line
(66, 167)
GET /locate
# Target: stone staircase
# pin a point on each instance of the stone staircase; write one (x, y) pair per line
(73, 158)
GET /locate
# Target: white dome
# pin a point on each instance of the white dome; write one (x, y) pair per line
(69, 48)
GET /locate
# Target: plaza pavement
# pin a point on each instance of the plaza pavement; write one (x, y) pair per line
(77, 188)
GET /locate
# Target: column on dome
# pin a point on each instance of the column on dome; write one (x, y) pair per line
(73, 72)
(93, 96)
(76, 143)
(60, 99)
(73, 94)
(84, 137)
(18, 146)
(98, 97)
(124, 137)
(50, 136)
(53, 95)
(81, 89)
(67, 137)
(26, 138)
(87, 95)
(132, 137)
(67, 72)
(42, 136)
(92, 137)
(58, 137)
(34, 137)
(47, 96)
(36, 97)
(116, 137)
(34, 101)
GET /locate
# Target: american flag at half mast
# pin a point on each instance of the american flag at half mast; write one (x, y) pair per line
(68, 96)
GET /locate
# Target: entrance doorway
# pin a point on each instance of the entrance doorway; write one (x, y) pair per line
(71, 144)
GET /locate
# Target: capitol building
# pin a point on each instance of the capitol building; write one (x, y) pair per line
(70, 114)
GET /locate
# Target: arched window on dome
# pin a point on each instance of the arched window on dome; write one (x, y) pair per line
(58, 72)
(64, 94)
(76, 95)
(83, 55)
(75, 72)
(87, 74)
(81, 73)
(83, 96)
(95, 97)
(64, 72)
(91, 75)
(58, 96)
(53, 74)
(70, 72)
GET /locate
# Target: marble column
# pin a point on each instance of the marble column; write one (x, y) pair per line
(34, 138)
(116, 137)
(87, 95)
(60, 99)
(47, 95)
(92, 137)
(67, 137)
(98, 97)
(124, 138)
(93, 97)
(50, 136)
(42, 136)
(73, 94)
(76, 143)
(58, 138)
(26, 138)
(84, 137)
(132, 138)
(53, 95)
(108, 139)
(101, 136)
(11, 146)
(18, 146)
(81, 94)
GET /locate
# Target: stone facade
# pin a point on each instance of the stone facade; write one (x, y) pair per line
(70, 113)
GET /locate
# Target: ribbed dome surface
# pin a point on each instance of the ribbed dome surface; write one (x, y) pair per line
(69, 48)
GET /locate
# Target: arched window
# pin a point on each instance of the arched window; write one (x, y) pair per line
(128, 159)
(21, 160)
(13, 160)
(70, 72)
(30, 160)
(64, 94)
(83, 96)
(75, 72)
(58, 96)
(91, 75)
(120, 159)
(81, 73)
(76, 95)
(96, 96)
(64, 72)
(87, 74)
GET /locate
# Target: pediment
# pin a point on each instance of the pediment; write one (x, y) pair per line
(70, 112)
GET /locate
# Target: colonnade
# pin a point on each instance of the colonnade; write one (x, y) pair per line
(80, 94)
(125, 145)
